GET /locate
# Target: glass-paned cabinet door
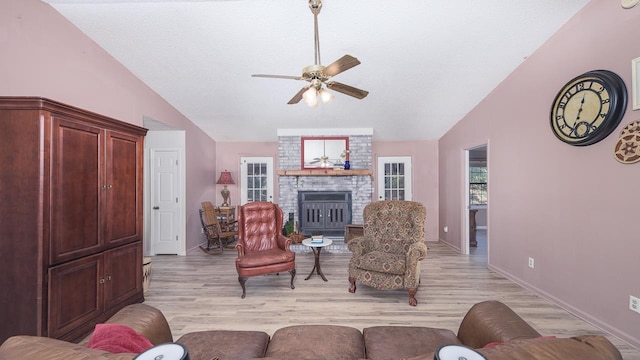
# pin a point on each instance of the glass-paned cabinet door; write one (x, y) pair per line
(256, 182)
(394, 178)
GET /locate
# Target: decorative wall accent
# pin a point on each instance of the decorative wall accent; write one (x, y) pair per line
(627, 149)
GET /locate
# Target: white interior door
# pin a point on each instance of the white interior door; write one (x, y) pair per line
(165, 201)
(256, 179)
(394, 178)
(164, 179)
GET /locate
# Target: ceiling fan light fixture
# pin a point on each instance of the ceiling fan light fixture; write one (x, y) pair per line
(311, 96)
(325, 96)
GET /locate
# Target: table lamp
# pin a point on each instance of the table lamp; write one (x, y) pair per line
(225, 179)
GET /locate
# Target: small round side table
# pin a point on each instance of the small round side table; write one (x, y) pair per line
(317, 247)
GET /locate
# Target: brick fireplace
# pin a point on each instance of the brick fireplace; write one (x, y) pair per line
(357, 183)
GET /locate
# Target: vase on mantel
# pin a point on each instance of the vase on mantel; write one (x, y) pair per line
(347, 165)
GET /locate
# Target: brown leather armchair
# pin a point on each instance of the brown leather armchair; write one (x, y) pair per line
(262, 249)
(388, 256)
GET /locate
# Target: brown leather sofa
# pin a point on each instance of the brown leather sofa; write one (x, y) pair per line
(486, 323)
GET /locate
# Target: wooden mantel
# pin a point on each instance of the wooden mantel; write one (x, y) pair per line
(324, 172)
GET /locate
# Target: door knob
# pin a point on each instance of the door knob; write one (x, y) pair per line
(156, 208)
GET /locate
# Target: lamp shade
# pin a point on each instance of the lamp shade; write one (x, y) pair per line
(225, 178)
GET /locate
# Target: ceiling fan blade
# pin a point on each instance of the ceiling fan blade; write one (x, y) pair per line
(344, 63)
(347, 90)
(297, 97)
(278, 76)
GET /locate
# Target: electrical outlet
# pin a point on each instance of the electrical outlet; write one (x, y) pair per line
(202, 231)
(634, 304)
(446, 229)
(531, 262)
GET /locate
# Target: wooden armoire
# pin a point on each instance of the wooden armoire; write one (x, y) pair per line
(70, 218)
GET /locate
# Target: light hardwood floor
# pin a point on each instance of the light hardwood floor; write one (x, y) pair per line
(201, 292)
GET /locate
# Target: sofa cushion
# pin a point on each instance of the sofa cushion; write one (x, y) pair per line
(396, 342)
(265, 258)
(225, 344)
(380, 261)
(316, 342)
(144, 319)
(26, 347)
(587, 347)
(583, 348)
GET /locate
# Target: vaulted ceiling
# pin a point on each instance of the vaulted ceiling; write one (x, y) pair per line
(425, 63)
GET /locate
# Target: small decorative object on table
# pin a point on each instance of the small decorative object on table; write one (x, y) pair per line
(317, 239)
(296, 237)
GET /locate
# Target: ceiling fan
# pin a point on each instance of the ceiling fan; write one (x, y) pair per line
(322, 160)
(318, 74)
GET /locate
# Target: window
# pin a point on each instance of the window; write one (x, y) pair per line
(394, 178)
(477, 185)
(256, 176)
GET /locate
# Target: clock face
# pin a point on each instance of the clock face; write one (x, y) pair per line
(588, 108)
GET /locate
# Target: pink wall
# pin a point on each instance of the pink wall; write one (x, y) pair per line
(573, 209)
(45, 55)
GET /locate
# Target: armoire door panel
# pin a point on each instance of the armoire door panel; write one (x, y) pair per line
(77, 175)
(123, 186)
(75, 294)
(123, 274)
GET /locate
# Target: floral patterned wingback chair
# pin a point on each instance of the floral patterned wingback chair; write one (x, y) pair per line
(388, 256)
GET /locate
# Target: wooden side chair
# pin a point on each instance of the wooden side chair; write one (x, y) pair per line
(218, 234)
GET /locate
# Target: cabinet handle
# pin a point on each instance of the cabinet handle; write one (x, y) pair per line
(104, 187)
(156, 208)
(109, 187)
(109, 278)
(101, 281)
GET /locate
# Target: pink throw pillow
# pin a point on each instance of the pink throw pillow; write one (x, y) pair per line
(116, 338)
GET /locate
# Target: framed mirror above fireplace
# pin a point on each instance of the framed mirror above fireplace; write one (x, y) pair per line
(324, 152)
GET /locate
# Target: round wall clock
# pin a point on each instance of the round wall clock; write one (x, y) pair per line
(589, 107)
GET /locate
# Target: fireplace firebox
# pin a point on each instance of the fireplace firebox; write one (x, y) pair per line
(324, 212)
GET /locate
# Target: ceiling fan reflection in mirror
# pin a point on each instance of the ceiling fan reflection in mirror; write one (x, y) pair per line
(317, 74)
